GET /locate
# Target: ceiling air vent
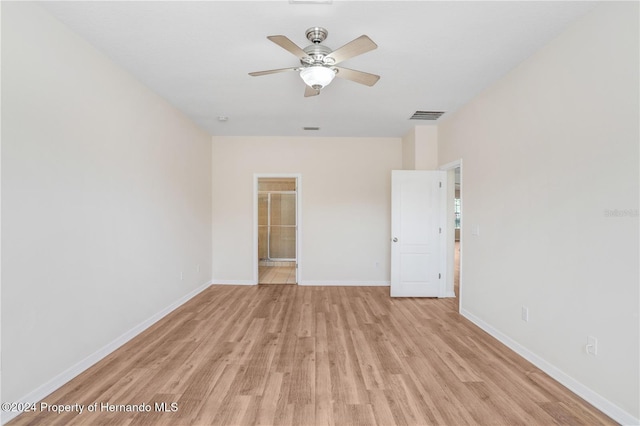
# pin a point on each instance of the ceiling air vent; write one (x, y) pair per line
(311, 128)
(426, 115)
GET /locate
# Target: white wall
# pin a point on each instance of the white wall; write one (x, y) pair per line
(346, 211)
(420, 148)
(106, 199)
(547, 151)
(426, 147)
(409, 150)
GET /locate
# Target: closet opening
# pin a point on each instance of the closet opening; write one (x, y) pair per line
(277, 200)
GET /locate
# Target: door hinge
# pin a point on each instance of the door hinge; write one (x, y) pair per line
(439, 230)
(296, 266)
(439, 184)
(439, 276)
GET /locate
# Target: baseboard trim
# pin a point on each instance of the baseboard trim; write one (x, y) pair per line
(595, 399)
(345, 283)
(234, 282)
(66, 376)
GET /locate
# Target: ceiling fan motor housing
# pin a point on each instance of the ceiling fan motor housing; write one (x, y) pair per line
(317, 53)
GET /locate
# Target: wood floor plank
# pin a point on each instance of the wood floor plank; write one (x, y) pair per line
(290, 355)
(354, 414)
(323, 406)
(348, 386)
(418, 406)
(368, 362)
(268, 402)
(255, 377)
(215, 394)
(382, 410)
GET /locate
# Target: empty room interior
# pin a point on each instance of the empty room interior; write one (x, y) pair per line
(320, 212)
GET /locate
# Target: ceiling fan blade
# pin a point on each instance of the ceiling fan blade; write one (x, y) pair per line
(287, 44)
(357, 76)
(310, 91)
(259, 73)
(355, 47)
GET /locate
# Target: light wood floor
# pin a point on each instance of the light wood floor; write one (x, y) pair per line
(277, 274)
(296, 355)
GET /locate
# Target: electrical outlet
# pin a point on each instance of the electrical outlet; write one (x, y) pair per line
(198, 267)
(524, 314)
(592, 346)
(181, 276)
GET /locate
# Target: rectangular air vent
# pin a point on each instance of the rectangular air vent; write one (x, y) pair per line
(311, 128)
(426, 115)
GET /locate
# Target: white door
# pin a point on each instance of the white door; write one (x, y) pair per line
(418, 234)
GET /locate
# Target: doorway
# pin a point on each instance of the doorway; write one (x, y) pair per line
(454, 236)
(457, 214)
(277, 230)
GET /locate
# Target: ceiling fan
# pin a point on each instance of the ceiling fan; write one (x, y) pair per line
(318, 62)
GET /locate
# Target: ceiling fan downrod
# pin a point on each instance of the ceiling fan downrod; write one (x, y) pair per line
(316, 35)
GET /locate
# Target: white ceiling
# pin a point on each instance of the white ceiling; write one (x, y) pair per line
(431, 56)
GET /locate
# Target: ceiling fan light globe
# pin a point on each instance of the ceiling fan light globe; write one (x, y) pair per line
(317, 76)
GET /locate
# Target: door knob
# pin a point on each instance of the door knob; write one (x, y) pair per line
(395, 239)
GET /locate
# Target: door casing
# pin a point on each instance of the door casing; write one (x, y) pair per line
(451, 245)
